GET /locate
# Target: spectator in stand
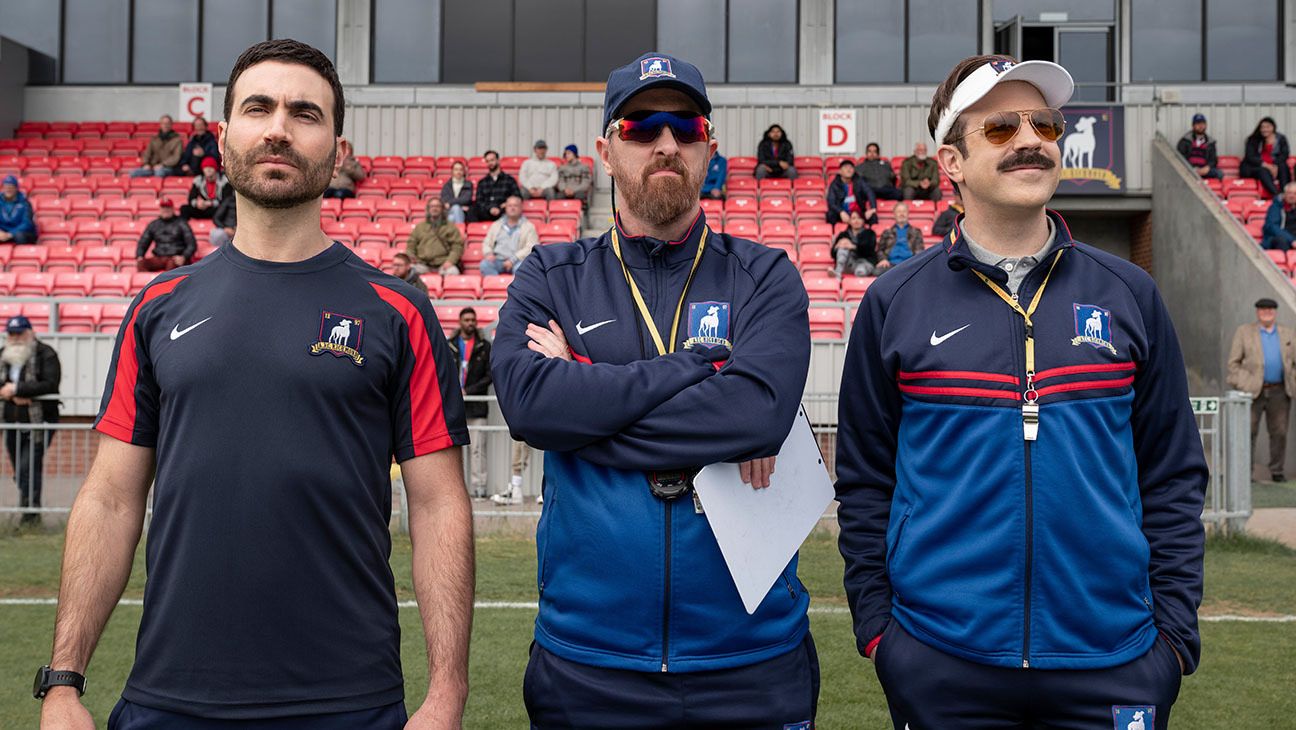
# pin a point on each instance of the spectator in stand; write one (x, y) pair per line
(899, 242)
(17, 222)
(1199, 149)
(945, 221)
(170, 238)
(207, 191)
(920, 176)
(855, 248)
(343, 184)
(472, 354)
(200, 147)
(878, 174)
(774, 155)
(162, 156)
(713, 186)
(848, 192)
(403, 269)
(574, 177)
(1280, 221)
(509, 240)
(31, 369)
(1266, 158)
(435, 244)
(1262, 362)
(539, 175)
(493, 189)
(225, 221)
(457, 193)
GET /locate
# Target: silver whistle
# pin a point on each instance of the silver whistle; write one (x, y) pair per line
(1030, 421)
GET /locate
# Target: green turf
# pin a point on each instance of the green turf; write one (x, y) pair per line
(1273, 495)
(1246, 669)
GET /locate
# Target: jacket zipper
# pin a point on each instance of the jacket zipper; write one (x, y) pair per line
(666, 594)
(1030, 558)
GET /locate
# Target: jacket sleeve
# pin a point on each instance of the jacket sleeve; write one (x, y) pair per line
(1184, 147)
(1235, 371)
(1273, 223)
(527, 174)
(26, 218)
(483, 383)
(488, 243)
(944, 223)
(746, 409)
(862, 189)
(195, 193)
(190, 244)
(584, 182)
(456, 241)
(1251, 153)
(145, 240)
(549, 178)
(547, 401)
(50, 375)
(868, 422)
(1172, 479)
(1212, 155)
(528, 239)
(836, 195)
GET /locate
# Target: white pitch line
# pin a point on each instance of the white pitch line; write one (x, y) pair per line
(532, 606)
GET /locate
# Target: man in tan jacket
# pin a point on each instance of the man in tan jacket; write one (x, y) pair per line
(162, 156)
(435, 244)
(1262, 362)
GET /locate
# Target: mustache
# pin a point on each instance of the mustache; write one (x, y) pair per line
(673, 164)
(284, 151)
(1026, 158)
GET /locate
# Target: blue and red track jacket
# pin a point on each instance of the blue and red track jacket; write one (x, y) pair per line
(627, 580)
(1069, 552)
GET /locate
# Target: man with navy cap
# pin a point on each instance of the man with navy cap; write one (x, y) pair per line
(633, 359)
(31, 369)
(1198, 148)
(1019, 472)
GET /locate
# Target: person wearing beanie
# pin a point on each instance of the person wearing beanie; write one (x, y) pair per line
(206, 193)
(574, 177)
(1262, 363)
(17, 220)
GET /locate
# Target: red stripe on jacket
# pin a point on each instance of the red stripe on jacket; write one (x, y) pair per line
(1107, 367)
(967, 392)
(1085, 385)
(428, 432)
(960, 375)
(118, 418)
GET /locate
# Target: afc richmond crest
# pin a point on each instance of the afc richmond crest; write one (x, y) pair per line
(1093, 327)
(708, 324)
(1133, 717)
(654, 67)
(340, 336)
(1001, 66)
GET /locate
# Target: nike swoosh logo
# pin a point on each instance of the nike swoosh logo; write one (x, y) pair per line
(937, 340)
(177, 333)
(580, 329)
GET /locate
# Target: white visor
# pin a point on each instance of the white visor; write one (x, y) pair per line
(1053, 81)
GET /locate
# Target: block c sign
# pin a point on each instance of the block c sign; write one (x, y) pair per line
(195, 101)
(837, 131)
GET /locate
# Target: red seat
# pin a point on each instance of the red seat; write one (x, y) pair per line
(827, 323)
(374, 233)
(556, 232)
(814, 231)
(461, 286)
(92, 232)
(775, 184)
(815, 257)
(112, 317)
(495, 288)
(822, 287)
(342, 231)
(7, 281)
(392, 209)
(64, 258)
(139, 280)
(357, 209)
(39, 314)
(28, 258)
(407, 187)
(448, 316)
(126, 232)
(565, 208)
(742, 166)
(1279, 258)
(111, 283)
(33, 284)
(743, 229)
(79, 316)
(853, 287)
(72, 284)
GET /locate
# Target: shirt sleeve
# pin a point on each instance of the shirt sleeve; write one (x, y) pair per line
(129, 410)
(427, 409)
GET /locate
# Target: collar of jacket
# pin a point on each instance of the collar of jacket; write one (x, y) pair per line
(959, 256)
(639, 251)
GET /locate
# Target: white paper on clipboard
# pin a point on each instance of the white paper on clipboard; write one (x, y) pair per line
(759, 530)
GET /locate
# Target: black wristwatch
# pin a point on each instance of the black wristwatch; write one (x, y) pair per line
(47, 678)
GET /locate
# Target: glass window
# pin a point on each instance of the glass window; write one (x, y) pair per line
(1242, 40)
(309, 21)
(165, 41)
(762, 41)
(870, 42)
(1085, 54)
(940, 35)
(228, 28)
(96, 42)
(477, 42)
(616, 32)
(1074, 10)
(33, 24)
(694, 30)
(546, 40)
(1166, 40)
(406, 39)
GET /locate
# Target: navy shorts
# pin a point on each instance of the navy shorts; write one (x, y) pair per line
(131, 716)
(778, 693)
(928, 689)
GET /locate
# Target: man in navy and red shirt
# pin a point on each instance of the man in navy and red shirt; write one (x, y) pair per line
(633, 359)
(270, 386)
(1019, 471)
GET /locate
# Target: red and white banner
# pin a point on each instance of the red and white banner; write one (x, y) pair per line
(837, 131)
(195, 101)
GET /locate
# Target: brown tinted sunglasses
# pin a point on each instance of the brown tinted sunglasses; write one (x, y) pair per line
(1001, 127)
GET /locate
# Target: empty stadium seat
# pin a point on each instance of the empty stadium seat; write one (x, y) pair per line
(432, 281)
(461, 286)
(495, 288)
(111, 284)
(111, 316)
(38, 313)
(64, 258)
(815, 256)
(28, 258)
(827, 323)
(822, 287)
(79, 316)
(853, 287)
(7, 281)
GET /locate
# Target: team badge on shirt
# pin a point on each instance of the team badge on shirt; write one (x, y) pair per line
(340, 336)
(1133, 717)
(655, 67)
(1093, 327)
(708, 324)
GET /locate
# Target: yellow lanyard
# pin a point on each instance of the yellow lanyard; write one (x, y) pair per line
(643, 307)
(1030, 410)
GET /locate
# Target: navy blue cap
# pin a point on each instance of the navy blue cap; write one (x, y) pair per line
(17, 324)
(1199, 117)
(650, 71)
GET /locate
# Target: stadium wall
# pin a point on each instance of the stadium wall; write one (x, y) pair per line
(13, 77)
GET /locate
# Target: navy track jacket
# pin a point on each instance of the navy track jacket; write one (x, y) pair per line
(627, 580)
(1069, 552)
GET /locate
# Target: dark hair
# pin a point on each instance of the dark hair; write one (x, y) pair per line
(941, 99)
(773, 127)
(1256, 134)
(467, 310)
(873, 144)
(287, 50)
(845, 162)
(403, 255)
(490, 152)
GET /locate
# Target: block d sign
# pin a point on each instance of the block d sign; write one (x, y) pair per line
(195, 101)
(837, 131)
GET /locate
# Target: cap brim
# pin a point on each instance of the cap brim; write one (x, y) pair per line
(1053, 81)
(667, 83)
